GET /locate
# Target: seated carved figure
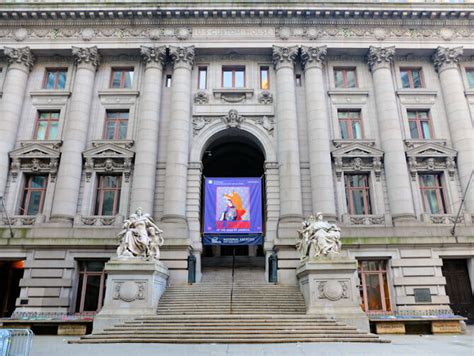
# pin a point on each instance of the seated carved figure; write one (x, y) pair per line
(140, 237)
(318, 237)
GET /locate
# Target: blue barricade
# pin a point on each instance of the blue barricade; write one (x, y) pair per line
(15, 342)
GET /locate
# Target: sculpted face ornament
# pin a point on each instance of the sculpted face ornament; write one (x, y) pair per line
(318, 238)
(140, 237)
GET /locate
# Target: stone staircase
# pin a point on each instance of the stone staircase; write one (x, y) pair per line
(226, 308)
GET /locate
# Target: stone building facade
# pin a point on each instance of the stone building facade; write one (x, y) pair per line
(363, 113)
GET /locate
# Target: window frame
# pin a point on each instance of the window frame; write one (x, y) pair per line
(411, 83)
(49, 120)
(345, 82)
(28, 189)
(381, 272)
(57, 70)
(202, 69)
(233, 69)
(122, 70)
(350, 121)
(101, 190)
(117, 122)
(440, 191)
(366, 191)
(82, 297)
(261, 70)
(418, 122)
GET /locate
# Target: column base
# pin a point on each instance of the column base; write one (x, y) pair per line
(404, 220)
(329, 287)
(61, 219)
(288, 226)
(134, 288)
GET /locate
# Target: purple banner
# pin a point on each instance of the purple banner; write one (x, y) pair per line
(233, 206)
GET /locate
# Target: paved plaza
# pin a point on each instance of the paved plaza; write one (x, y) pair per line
(401, 345)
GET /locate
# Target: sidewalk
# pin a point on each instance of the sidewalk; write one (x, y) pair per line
(402, 345)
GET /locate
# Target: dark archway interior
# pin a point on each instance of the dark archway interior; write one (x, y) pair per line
(233, 155)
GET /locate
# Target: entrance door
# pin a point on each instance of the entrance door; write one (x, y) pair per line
(458, 287)
(11, 272)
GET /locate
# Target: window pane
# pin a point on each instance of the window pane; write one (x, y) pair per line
(38, 182)
(79, 293)
(116, 79)
(202, 78)
(387, 293)
(41, 130)
(432, 201)
(53, 131)
(413, 129)
(34, 204)
(51, 77)
(108, 203)
(239, 79)
(128, 79)
(122, 134)
(344, 129)
(338, 79)
(110, 130)
(110, 181)
(428, 180)
(374, 297)
(358, 201)
(94, 266)
(264, 83)
(416, 79)
(425, 128)
(62, 80)
(470, 78)
(227, 79)
(91, 302)
(351, 79)
(356, 129)
(405, 79)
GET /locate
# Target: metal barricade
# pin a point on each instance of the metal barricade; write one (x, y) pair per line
(15, 342)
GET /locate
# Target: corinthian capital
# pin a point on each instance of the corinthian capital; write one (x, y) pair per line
(153, 54)
(313, 56)
(88, 55)
(182, 55)
(284, 56)
(380, 56)
(446, 57)
(21, 56)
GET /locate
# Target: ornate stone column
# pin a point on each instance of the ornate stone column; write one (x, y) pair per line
(75, 134)
(396, 172)
(178, 134)
(457, 109)
(322, 186)
(144, 176)
(20, 62)
(287, 131)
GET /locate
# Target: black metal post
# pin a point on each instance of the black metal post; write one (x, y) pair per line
(273, 268)
(191, 269)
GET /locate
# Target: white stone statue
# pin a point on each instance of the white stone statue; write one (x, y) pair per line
(140, 237)
(318, 238)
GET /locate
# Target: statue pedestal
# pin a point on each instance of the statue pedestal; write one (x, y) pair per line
(134, 287)
(329, 287)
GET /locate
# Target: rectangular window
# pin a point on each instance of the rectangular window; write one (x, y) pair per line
(350, 122)
(91, 286)
(298, 80)
(470, 77)
(374, 290)
(264, 78)
(33, 194)
(345, 77)
(168, 81)
(121, 78)
(411, 78)
(358, 194)
(202, 78)
(55, 78)
(233, 77)
(108, 195)
(47, 123)
(420, 124)
(433, 193)
(116, 123)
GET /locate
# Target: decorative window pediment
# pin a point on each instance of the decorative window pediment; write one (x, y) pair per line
(429, 157)
(108, 157)
(35, 157)
(357, 157)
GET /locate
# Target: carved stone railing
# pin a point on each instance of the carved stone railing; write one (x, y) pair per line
(98, 220)
(22, 220)
(445, 219)
(233, 95)
(365, 220)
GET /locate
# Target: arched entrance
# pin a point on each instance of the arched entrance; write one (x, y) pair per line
(233, 153)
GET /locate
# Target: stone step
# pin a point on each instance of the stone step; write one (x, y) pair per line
(114, 333)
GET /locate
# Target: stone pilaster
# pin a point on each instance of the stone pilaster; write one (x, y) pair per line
(459, 120)
(178, 134)
(20, 62)
(322, 186)
(144, 178)
(398, 181)
(287, 130)
(75, 134)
